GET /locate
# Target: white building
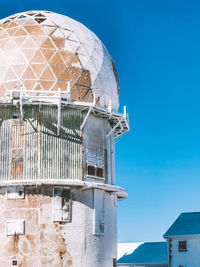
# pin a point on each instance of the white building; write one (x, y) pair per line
(183, 239)
(59, 120)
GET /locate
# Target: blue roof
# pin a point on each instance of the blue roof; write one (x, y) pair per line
(147, 253)
(186, 224)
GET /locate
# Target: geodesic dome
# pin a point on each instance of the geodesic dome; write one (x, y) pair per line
(44, 51)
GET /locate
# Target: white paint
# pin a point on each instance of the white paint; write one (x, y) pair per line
(98, 212)
(190, 258)
(126, 248)
(86, 248)
(15, 227)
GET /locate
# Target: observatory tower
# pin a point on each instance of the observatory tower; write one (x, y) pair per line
(59, 98)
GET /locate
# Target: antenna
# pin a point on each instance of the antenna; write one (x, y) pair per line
(124, 111)
(110, 105)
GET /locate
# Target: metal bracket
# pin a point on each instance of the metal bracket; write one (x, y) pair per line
(85, 119)
(21, 107)
(119, 122)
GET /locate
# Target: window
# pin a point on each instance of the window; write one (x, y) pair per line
(182, 246)
(95, 171)
(99, 172)
(170, 251)
(91, 170)
(94, 139)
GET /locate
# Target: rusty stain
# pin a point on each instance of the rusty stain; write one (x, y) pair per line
(43, 226)
(25, 247)
(30, 238)
(12, 246)
(65, 258)
(42, 236)
(17, 136)
(81, 91)
(43, 242)
(17, 146)
(56, 70)
(32, 201)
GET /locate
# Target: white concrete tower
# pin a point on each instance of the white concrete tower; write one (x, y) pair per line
(59, 98)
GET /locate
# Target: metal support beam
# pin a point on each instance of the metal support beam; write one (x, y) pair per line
(113, 129)
(110, 106)
(68, 92)
(85, 119)
(124, 111)
(59, 116)
(23, 97)
(21, 107)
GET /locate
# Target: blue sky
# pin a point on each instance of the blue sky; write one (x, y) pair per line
(156, 48)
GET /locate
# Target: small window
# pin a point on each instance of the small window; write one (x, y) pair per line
(182, 246)
(95, 171)
(16, 115)
(91, 170)
(99, 172)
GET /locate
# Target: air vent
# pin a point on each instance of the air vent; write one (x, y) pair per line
(14, 262)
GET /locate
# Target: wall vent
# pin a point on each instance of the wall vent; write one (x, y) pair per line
(15, 192)
(61, 204)
(15, 227)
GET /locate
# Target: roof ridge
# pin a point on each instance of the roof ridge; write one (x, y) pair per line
(187, 223)
(154, 242)
(192, 212)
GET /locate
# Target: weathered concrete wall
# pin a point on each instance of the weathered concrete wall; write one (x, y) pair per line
(46, 243)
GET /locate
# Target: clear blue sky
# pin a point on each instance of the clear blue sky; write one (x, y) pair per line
(156, 48)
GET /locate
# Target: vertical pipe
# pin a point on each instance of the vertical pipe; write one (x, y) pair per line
(39, 143)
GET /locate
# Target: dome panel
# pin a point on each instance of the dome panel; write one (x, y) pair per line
(42, 50)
